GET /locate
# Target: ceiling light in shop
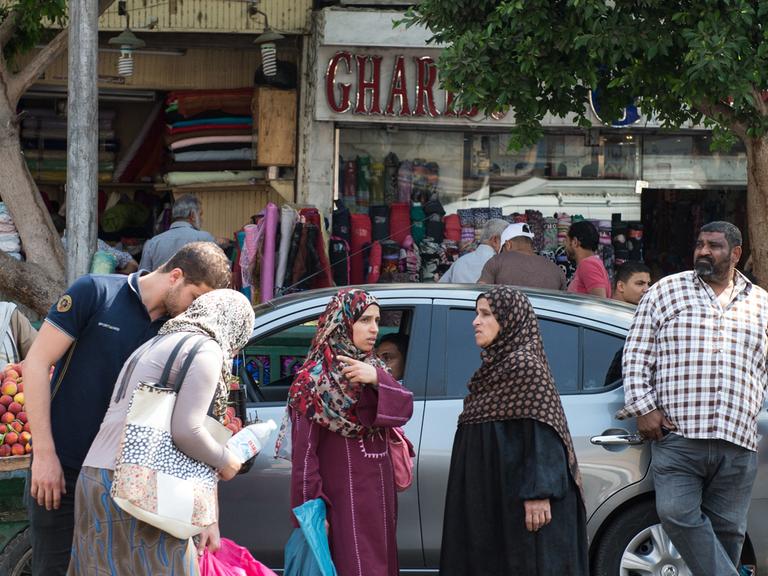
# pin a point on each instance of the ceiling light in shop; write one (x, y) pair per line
(128, 42)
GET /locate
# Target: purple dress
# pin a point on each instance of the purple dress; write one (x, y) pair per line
(354, 476)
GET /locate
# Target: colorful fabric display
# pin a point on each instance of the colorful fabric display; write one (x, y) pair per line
(399, 222)
(390, 254)
(550, 234)
(214, 155)
(349, 191)
(288, 217)
(183, 178)
(410, 260)
(374, 263)
(236, 102)
(338, 253)
(404, 181)
(431, 258)
(318, 248)
(377, 183)
(341, 222)
(418, 228)
(363, 192)
(233, 142)
(221, 121)
(391, 168)
(452, 228)
(380, 222)
(361, 237)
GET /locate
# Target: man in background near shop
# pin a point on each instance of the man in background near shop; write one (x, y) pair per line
(695, 378)
(88, 334)
(581, 246)
(187, 217)
(632, 281)
(519, 265)
(17, 334)
(466, 270)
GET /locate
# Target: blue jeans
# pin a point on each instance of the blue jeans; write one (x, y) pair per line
(703, 489)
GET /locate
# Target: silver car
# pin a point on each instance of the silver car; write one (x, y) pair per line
(583, 338)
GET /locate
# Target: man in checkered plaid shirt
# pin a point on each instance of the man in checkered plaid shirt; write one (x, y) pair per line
(694, 377)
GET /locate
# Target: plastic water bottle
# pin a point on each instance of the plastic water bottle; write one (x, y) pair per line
(249, 441)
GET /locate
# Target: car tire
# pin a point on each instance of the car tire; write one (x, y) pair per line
(636, 538)
(16, 559)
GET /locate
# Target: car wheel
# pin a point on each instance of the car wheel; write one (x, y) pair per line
(16, 559)
(635, 544)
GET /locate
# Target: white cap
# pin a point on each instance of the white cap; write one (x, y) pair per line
(515, 230)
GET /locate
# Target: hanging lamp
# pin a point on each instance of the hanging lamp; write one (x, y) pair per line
(267, 41)
(127, 41)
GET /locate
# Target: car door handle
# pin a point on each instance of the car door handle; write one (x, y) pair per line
(617, 440)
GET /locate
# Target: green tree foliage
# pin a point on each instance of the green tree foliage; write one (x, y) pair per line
(31, 22)
(686, 61)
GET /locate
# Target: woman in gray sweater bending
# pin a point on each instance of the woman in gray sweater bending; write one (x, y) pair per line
(108, 540)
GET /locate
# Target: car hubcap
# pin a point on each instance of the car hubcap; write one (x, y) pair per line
(651, 553)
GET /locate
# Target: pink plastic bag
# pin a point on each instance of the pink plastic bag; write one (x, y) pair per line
(231, 560)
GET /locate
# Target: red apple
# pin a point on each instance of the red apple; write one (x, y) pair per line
(5, 450)
(5, 400)
(15, 408)
(12, 374)
(22, 416)
(11, 438)
(26, 426)
(3, 409)
(20, 385)
(3, 429)
(16, 426)
(17, 449)
(25, 437)
(7, 418)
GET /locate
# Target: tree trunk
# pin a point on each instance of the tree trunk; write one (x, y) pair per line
(28, 284)
(757, 206)
(37, 286)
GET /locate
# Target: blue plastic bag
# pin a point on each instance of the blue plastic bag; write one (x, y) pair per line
(307, 552)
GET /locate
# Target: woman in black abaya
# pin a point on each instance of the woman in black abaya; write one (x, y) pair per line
(514, 503)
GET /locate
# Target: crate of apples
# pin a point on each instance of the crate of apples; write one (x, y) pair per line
(15, 436)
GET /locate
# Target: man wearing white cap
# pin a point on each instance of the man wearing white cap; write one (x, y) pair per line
(519, 265)
(466, 270)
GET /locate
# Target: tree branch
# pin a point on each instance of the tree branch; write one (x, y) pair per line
(723, 114)
(759, 102)
(7, 28)
(28, 75)
(28, 283)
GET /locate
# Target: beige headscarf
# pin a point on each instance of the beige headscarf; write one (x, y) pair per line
(227, 317)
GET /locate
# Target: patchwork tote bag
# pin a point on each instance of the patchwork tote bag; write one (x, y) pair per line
(154, 481)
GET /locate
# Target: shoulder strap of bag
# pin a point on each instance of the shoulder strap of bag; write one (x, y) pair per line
(135, 360)
(165, 376)
(188, 362)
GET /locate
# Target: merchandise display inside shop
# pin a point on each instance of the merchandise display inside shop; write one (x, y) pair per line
(199, 142)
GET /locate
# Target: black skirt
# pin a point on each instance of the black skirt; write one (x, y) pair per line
(495, 467)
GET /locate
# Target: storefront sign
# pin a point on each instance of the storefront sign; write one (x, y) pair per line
(389, 87)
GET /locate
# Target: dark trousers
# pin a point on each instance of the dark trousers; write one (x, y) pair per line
(52, 531)
(703, 489)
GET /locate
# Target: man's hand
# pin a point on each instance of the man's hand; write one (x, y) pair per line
(649, 425)
(537, 514)
(47, 480)
(209, 538)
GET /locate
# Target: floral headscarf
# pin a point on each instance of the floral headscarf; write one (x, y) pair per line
(514, 380)
(319, 390)
(227, 317)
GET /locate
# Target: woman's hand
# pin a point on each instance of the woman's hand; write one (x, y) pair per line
(358, 372)
(209, 538)
(231, 466)
(537, 514)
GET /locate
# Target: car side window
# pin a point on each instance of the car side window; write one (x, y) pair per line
(602, 359)
(462, 355)
(267, 364)
(561, 344)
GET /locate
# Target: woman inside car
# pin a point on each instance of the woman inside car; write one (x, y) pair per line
(514, 503)
(341, 404)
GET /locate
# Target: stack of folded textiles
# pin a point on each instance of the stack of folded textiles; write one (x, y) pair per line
(44, 143)
(209, 135)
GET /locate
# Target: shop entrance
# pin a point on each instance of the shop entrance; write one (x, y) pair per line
(672, 218)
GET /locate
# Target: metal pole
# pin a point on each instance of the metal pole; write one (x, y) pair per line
(82, 136)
